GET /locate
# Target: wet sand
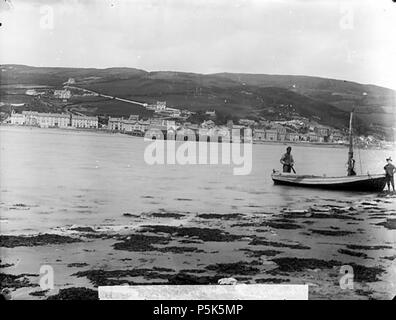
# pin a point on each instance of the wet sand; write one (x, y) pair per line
(304, 245)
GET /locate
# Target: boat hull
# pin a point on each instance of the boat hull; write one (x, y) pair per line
(351, 183)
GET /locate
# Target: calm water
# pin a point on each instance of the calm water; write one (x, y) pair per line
(68, 177)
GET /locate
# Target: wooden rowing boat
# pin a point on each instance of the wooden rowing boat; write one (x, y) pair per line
(352, 183)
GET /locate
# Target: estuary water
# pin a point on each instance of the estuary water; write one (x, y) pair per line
(64, 177)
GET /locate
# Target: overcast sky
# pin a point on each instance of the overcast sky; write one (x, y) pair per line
(352, 40)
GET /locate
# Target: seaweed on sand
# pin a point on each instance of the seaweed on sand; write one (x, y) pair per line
(140, 242)
(389, 224)
(319, 215)
(116, 277)
(176, 249)
(229, 216)
(364, 247)
(183, 278)
(166, 215)
(5, 265)
(40, 293)
(361, 273)
(75, 293)
(77, 265)
(353, 253)
(331, 232)
(241, 268)
(260, 253)
(204, 234)
(300, 264)
(127, 214)
(36, 240)
(282, 225)
(258, 241)
(83, 229)
(271, 280)
(15, 281)
(366, 274)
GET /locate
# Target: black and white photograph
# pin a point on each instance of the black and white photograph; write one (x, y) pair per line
(197, 150)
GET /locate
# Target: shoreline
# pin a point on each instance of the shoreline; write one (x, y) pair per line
(256, 142)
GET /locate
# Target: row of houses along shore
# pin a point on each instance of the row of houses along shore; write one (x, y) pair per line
(169, 129)
(52, 120)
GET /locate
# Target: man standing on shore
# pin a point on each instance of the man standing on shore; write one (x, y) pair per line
(287, 161)
(389, 172)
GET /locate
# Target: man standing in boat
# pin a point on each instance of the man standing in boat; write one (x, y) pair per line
(287, 161)
(389, 172)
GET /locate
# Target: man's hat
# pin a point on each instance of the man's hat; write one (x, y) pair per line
(389, 159)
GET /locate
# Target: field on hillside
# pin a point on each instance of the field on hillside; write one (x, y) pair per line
(236, 95)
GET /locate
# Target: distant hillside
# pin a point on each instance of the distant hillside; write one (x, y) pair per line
(238, 95)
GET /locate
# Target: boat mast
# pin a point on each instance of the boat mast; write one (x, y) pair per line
(351, 161)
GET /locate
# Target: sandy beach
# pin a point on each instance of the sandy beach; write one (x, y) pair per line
(201, 248)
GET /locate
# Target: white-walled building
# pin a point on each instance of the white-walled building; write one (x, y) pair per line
(17, 118)
(128, 125)
(62, 94)
(85, 122)
(53, 120)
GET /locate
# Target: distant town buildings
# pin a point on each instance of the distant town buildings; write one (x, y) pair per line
(208, 130)
(62, 94)
(209, 124)
(31, 92)
(247, 122)
(52, 120)
(161, 106)
(259, 134)
(132, 124)
(17, 119)
(211, 113)
(84, 122)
